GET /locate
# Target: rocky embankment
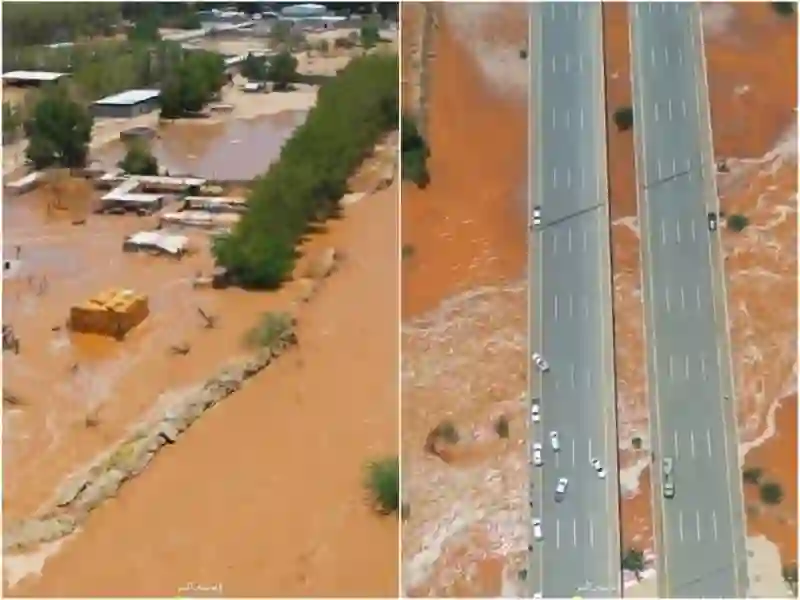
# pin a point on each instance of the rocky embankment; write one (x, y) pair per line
(89, 488)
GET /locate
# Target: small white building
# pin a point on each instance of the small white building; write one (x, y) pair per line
(156, 241)
(126, 105)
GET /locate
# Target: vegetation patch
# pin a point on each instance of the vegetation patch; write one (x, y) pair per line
(623, 118)
(271, 328)
(636, 442)
(502, 427)
(304, 186)
(784, 9)
(139, 160)
(770, 493)
(415, 153)
(633, 561)
(752, 475)
(738, 222)
(382, 481)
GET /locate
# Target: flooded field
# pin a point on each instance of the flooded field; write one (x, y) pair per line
(234, 150)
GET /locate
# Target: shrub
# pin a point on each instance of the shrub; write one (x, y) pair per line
(752, 475)
(139, 160)
(523, 53)
(770, 493)
(11, 122)
(282, 71)
(344, 43)
(784, 9)
(407, 251)
(272, 327)
(305, 184)
(738, 222)
(633, 560)
(414, 154)
(369, 36)
(254, 68)
(623, 118)
(383, 483)
(636, 442)
(501, 427)
(447, 431)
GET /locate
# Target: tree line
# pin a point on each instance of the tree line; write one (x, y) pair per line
(305, 185)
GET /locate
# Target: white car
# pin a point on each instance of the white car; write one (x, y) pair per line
(554, 442)
(561, 488)
(601, 472)
(537, 454)
(537, 216)
(537, 530)
(540, 362)
(535, 416)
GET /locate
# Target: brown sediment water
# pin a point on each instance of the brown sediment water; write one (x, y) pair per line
(264, 494)
(232, 150)
(464, 314)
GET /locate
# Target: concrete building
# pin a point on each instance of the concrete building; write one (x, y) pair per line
(126, 105)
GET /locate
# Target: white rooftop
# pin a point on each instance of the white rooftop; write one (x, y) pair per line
(169, 242)
(33, 75)
(129, 98)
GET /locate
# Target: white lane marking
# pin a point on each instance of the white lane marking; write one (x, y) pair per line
(569, 178)
(574, 532)
(658, 169)
(591, 533)
(680, 524)
(683, 108)
(683, 299)
(583, 178)
(555, 117)
(589, 379)
(579, 12)
(555, 307)
(691, 442)
(558, 454)
(580, 62)
(566, 118)
(674, 165)
(573, 453)
(666, 297)
(584, 240)
(590, 450)
(555, 243)
(585, 307)
(553, 11)
(555, 177)
(666, 48)
(678, 231)
(670, 366)
(572, 381)
(697, 524)
(663, 233)
(566, 63)
(570, 306)
(655, 109)
(669, 109)
(703, 365)
(569, 239)
(697, 297)
(714, 522)
(686, 366)
(558, 533)
(581, 119)
(680, 59)
(675, 441)
(553, 66)
(694, 231)
(708, 441)
(653, 56)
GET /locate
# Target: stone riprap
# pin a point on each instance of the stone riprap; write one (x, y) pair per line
(85, 491)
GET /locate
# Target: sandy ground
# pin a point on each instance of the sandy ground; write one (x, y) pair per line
(208, 508)
(464, 311)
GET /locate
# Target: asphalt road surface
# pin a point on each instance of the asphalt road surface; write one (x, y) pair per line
(570, 306)
(700, 532)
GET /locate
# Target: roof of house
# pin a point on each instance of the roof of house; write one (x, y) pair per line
(129, 98)
(33, 75)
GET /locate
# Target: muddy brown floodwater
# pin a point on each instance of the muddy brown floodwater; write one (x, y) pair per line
(233, 150)
(464, 303)
(264, 494)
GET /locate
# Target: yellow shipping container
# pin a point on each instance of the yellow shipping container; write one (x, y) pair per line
(113, 313)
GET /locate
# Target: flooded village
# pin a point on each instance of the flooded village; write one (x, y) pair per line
(121, 328)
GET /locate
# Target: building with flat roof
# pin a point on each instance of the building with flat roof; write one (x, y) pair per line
(31, 78)
(126, 105)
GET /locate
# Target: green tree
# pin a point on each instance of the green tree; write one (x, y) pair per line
(623, 118)
(770, 493)
(784, 9)
(145, 29)
(369, 36)
(59, 130)
(254, 68)
(633, 561)
(282, 70)
(382, 481)
(502, 427)
(752, 475)
(737, 222)
(139, 160)
(414, 154)
(192, 85)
